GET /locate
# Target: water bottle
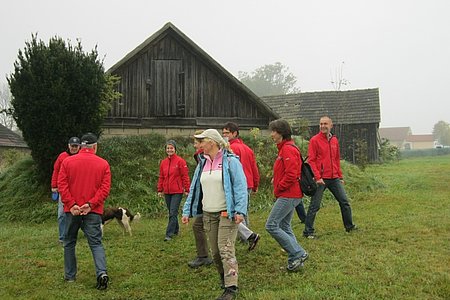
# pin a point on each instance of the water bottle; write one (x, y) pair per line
(55, 196)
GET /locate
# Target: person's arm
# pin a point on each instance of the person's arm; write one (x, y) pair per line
(291, 163)
(313, 159)
(185, 176)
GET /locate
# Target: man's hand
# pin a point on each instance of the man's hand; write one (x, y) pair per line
(185, 220)
(85, 209)
(54, 190)
(75, 210)
(320, 181)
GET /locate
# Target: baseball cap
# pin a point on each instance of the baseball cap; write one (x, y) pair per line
(74, 141)
(88, 139)
(211, 134)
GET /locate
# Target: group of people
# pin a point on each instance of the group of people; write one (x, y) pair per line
(226, 174)
(217, 197)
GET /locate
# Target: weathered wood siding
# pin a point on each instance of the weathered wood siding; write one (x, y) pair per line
(167, 83)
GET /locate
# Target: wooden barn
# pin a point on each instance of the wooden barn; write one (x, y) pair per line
(170, 85)
(9, 140)
(355, 115)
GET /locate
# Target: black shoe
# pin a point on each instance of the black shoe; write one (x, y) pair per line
(229, 293)
(200, 261)
(252, 241)
(310, 236)
(102, 281)
(350, 229)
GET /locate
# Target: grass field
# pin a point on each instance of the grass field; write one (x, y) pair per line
(401, 251)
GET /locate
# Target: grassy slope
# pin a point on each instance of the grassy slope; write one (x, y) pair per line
(400, 252)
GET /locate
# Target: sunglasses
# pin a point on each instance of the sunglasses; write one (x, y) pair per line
(74, 145)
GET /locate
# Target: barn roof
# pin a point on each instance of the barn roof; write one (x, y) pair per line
(169, 28)
(343, 107)
(9, 138)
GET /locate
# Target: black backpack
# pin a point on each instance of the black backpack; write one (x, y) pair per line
(307, 182)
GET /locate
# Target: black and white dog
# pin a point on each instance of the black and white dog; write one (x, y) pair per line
(123, 216)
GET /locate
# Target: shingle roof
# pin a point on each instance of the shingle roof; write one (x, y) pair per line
(9, 138)
(395, 133)
(344, 107)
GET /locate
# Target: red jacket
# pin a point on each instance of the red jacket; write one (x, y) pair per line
(83, 178)
(286, 171)
(57, 166)
(248, 161)
(173, 176)
(324, 157)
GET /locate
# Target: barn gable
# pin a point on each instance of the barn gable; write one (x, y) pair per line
(355, 115)
(170, 82)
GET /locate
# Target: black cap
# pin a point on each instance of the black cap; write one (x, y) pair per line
(74, 141)
(88, 139)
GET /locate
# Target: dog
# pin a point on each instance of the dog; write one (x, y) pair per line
(123, 216)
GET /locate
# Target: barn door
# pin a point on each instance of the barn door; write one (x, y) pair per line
(169, 88)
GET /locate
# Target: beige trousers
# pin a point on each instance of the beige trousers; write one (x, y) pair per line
(222, 233)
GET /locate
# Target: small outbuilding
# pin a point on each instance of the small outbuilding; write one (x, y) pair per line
(355, 114)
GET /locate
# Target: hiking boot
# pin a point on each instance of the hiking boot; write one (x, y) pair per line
(353, 228)
(252, 241)
(229, 293)
(298, 263)
(102, 281)
(200, 261)
(167, 238)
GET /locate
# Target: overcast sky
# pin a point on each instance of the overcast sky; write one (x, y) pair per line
(401, 47)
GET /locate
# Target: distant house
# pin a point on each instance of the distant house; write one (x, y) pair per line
(420, 141)
(11, 140)
(397, 136)
(170, 85)
(355, 115)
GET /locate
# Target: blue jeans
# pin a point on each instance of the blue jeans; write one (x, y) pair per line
(173, 204)
(279, 227)
(337, 189)
(301, 213)
(90, 224)
(61, 219)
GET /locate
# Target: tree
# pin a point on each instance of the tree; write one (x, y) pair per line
(58, 91)
(338, 80)
(6, 118)
(270, 80)
(441, 132)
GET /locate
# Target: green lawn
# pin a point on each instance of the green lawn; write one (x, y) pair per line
(401, 251)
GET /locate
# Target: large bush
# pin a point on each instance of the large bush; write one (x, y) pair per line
(58, 91)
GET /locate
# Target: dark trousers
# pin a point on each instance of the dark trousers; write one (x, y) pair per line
(201, 242)
(337, 189)
(173, 204)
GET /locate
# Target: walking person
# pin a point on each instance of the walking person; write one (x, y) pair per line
(84, 182)
(219, 192)
(324, 158)
(73, 147)
(201, 242)
(246, 155)
(172, 183)
(286, 171)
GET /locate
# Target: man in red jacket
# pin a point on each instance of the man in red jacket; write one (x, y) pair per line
(324, 158)
(84, 182)
(72, 148)
(247, 158)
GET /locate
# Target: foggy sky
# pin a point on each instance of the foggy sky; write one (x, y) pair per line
(401, 47)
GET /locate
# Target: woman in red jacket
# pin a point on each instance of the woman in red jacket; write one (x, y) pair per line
(286, 188)
(172, 183)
